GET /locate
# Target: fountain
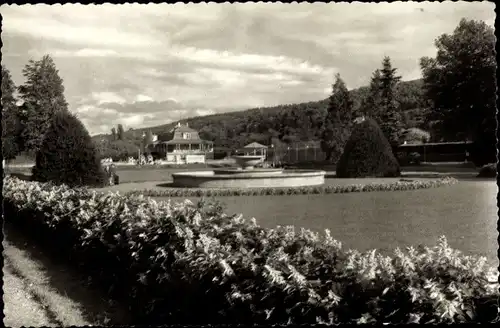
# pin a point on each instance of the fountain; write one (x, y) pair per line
(248, 176)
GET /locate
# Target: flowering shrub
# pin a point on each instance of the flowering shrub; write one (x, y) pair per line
(402, 185)
(192, 264)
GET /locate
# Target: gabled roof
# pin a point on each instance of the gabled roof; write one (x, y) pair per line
(187, 141)
(255, 145)
(184, 128)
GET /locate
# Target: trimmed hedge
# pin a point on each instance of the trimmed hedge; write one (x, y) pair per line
(367, 153)
(192, 264)
(67, 154)
(402, 185)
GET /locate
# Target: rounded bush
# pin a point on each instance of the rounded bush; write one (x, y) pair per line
(68, 155)
(367, 154)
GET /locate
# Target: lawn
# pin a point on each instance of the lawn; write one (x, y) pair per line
(466, 213)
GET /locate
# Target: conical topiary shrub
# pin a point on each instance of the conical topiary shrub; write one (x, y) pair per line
(68, 155)
(367, 153)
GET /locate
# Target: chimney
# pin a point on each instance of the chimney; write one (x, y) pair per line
(187, 124)
(178, 124)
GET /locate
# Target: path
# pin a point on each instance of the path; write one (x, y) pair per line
(41, 292)
(20, 307)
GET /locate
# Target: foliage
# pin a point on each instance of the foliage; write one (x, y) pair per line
(169, 261)
(286, 123)
(367, 153)
(148, 140)
(67, 154)
(409, 159)
(43, 95)
(113, 134)
(415, 136)
(338, 121)
(402, 185)
(372, 103)
(120, 133)
(461, 83)
(488, 171)
(119, 150)
(389, 118)
(11, 123)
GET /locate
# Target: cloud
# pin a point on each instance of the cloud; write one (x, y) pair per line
(141, 65)
(142, 98)
(105, 97)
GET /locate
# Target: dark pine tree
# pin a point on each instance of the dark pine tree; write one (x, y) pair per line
(372, 103)
(338, 121)
(389, 118)
(120, 132)
(43, 96)
(11, 120)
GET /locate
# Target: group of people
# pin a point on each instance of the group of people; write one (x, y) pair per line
(142, 160)
(111, 174)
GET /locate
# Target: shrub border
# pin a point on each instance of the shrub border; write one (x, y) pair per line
(175, 260)
(276, 191)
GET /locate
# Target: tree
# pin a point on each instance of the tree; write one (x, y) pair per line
(338, 120)
(371, 105)
(113, 134)
(118, 150)
(389, 117)
(415, 136)
(461, 83)
(43, 96)
(148, 140)
(11, 128)
(367, 153)
(120, 133)
(67, 154)
(388, 83)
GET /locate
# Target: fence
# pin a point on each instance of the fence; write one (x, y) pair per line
(296, 153)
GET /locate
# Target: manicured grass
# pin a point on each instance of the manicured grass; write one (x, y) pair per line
(466, 212)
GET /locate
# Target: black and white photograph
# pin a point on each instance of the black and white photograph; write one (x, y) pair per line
(249, 163)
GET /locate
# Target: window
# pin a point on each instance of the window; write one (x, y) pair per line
(187, 135)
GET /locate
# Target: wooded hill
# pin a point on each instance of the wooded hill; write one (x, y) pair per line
(284, 123)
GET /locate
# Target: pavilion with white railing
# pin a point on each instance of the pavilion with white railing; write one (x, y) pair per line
(182, 145)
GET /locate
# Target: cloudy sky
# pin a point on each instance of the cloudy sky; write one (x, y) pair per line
(144, 65)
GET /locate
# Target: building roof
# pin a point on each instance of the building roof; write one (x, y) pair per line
(186, 141)
(255, 145)
(184, 128)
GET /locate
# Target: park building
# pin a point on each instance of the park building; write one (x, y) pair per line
(181, 145)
